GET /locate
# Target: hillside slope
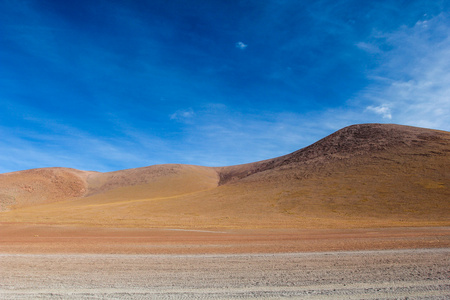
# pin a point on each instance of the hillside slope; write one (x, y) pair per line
(367, 173)
(360, 176)
(157, 181)
(38, 186)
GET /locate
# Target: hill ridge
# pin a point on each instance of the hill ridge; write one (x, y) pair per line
(348, 140)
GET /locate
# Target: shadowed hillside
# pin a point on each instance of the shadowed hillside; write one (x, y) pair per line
(349, 143)
(361, 176)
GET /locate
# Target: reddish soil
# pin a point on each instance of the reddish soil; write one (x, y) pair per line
(22, 238)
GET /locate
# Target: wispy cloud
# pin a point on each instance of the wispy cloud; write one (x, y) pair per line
(47, 142)
(368, 47)
(412, 86)
(222, 136)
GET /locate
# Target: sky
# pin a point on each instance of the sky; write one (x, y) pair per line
(114, 84)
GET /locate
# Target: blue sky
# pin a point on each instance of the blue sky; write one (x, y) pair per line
(108, 85)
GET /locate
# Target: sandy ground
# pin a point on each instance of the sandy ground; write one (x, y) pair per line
(58, 262)
(374, 274)
(20, 238)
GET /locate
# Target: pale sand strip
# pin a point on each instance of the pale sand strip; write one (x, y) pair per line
(390, 274)
(437, 288)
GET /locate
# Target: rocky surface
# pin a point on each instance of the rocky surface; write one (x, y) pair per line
(393, 274)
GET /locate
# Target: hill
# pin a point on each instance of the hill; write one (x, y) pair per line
(360, 176)
(38, 186)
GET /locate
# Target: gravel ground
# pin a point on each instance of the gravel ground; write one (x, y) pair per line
(385, 274)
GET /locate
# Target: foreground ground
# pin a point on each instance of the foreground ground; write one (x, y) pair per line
(375, 274)
(60, 262)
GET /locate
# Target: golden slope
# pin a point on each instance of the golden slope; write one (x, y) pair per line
(149, 182)
(361, 176)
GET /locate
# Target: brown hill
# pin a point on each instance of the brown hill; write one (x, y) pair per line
(38, 186)
(150, 182)
(349, 143)
(361, 176)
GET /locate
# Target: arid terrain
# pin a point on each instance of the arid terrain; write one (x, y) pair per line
(361, 214)
(399, 274)
(368, 175)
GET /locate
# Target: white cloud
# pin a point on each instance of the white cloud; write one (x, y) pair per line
(382, 110)
(241, 45)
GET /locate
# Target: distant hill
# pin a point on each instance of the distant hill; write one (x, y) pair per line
(360, 176)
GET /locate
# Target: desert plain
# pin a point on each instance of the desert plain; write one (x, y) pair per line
(360, 214)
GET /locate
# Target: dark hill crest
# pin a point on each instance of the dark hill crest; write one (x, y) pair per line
(351, 141)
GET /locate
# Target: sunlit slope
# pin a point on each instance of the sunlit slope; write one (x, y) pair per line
(47, 185)
(37, 186)
(361, 176)
(148, 183)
